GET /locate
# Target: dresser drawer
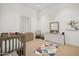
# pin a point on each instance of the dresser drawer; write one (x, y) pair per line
(57, 38)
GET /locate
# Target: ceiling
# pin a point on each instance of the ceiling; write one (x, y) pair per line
(41, 6)
(37, 6)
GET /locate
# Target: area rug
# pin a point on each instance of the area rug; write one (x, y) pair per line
(46, 50)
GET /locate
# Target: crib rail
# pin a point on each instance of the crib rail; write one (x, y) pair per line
(10, 44)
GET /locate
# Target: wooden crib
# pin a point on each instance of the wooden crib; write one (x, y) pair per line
(10, 44)
(16, 43)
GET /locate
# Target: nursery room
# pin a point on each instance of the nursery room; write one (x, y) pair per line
(39, 29)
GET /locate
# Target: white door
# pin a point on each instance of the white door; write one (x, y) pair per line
(25, 24)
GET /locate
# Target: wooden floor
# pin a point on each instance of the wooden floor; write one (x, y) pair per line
(64, 50)
(68, 50)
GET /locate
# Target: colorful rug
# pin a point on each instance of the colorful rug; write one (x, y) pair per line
(46, 50)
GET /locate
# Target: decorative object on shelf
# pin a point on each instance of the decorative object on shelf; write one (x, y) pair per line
(73, 25)
(54, 27)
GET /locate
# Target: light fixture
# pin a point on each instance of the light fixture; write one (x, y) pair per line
(38, 5)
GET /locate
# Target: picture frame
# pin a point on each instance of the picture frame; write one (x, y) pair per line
(72, 25)
(54, 27)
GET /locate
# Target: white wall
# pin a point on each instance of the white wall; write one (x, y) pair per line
(61, 13)
(10, 17)
(66, 15)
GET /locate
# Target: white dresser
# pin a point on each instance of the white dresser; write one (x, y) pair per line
(57, 38)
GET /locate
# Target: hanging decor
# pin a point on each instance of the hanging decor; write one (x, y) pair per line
(73, 25)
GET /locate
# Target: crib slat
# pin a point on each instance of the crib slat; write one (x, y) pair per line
(13, 44)
(24, 49)
(9, 45)
(21, 48)
(16, 44)
(1, 48)
(5, 46)
(19, 44)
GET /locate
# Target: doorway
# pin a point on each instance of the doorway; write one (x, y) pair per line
(25, 24)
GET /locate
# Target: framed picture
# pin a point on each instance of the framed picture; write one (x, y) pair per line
(54, 27)
(72, 25)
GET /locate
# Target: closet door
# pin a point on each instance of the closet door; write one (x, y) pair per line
(25, 24)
